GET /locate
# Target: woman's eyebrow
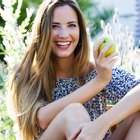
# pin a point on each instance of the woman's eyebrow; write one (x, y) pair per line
(72, 22)
(56, 23)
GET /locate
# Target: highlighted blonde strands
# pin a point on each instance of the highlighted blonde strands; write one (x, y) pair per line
(35, 78)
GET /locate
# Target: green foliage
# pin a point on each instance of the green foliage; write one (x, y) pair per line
(86, 4)
(6, 124)
(14, 41)
(15, 36)
(93, 15)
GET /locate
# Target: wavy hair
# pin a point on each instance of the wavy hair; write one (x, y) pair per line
(34, 79)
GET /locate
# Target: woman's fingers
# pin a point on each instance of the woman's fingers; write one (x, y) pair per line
(104, 59)
(76, 133)
(102, 53)
(101, 58)
(111, 58)
(96, 48)
(112, 61)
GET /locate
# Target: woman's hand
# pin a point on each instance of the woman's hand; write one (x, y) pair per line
(95, 130)
(104, 64)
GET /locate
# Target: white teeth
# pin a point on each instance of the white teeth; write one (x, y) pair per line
(63, 43)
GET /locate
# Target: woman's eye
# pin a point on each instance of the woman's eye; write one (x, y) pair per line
(55, 26)
(72, 25)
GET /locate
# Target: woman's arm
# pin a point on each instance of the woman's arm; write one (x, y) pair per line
(128, 105)
(81, 95)
(104, 74)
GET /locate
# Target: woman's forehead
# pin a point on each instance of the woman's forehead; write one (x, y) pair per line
(64, 13)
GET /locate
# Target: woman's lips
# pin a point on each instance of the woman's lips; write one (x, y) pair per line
(63, 45)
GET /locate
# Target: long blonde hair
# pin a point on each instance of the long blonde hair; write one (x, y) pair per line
(35, 78)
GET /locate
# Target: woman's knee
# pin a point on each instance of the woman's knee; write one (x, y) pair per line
(74, 115)
(76, 111)
(137, 116)
(133, 117)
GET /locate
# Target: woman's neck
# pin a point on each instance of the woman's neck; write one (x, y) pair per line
(64, 67)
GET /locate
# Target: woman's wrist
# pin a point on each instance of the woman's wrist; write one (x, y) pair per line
(104, 119)
(101, 82)
(102, 123)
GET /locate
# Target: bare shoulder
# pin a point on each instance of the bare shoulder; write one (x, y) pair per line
(91, 67)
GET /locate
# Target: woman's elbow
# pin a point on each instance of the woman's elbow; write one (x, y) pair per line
(42, 121)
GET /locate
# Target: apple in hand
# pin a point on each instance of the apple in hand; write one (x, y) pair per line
(111, 50)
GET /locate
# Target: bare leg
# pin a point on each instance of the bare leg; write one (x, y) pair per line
(134, 131)
(66, 122)
(124, 131)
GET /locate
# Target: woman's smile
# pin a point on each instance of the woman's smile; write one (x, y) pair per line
(63, 45)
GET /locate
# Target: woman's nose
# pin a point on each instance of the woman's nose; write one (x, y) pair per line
(63, 33)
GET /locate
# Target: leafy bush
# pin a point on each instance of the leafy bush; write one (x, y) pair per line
(6, 124)
(15, 37)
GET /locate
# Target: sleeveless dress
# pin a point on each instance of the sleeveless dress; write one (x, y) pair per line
(118, 87)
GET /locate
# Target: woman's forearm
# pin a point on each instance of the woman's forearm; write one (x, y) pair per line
(128, 105)
(81, 95)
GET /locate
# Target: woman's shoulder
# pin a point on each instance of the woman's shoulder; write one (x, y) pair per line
(91, 72)
(91, 67)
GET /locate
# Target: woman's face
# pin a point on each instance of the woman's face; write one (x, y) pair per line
(65, 31)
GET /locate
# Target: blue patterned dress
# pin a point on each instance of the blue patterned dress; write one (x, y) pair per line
(118, 87)
(120, 84)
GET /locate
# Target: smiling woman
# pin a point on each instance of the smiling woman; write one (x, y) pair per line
(56, 91)
(65, 32)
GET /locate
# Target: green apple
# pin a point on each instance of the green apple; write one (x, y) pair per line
(111, 50)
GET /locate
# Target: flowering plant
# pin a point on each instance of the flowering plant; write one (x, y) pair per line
(128, 52)
(15, 38)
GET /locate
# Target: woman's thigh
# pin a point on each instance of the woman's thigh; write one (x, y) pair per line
(66, 122)
(128, 128)
(134, 130)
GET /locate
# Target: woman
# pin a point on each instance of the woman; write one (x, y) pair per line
(56, 78)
